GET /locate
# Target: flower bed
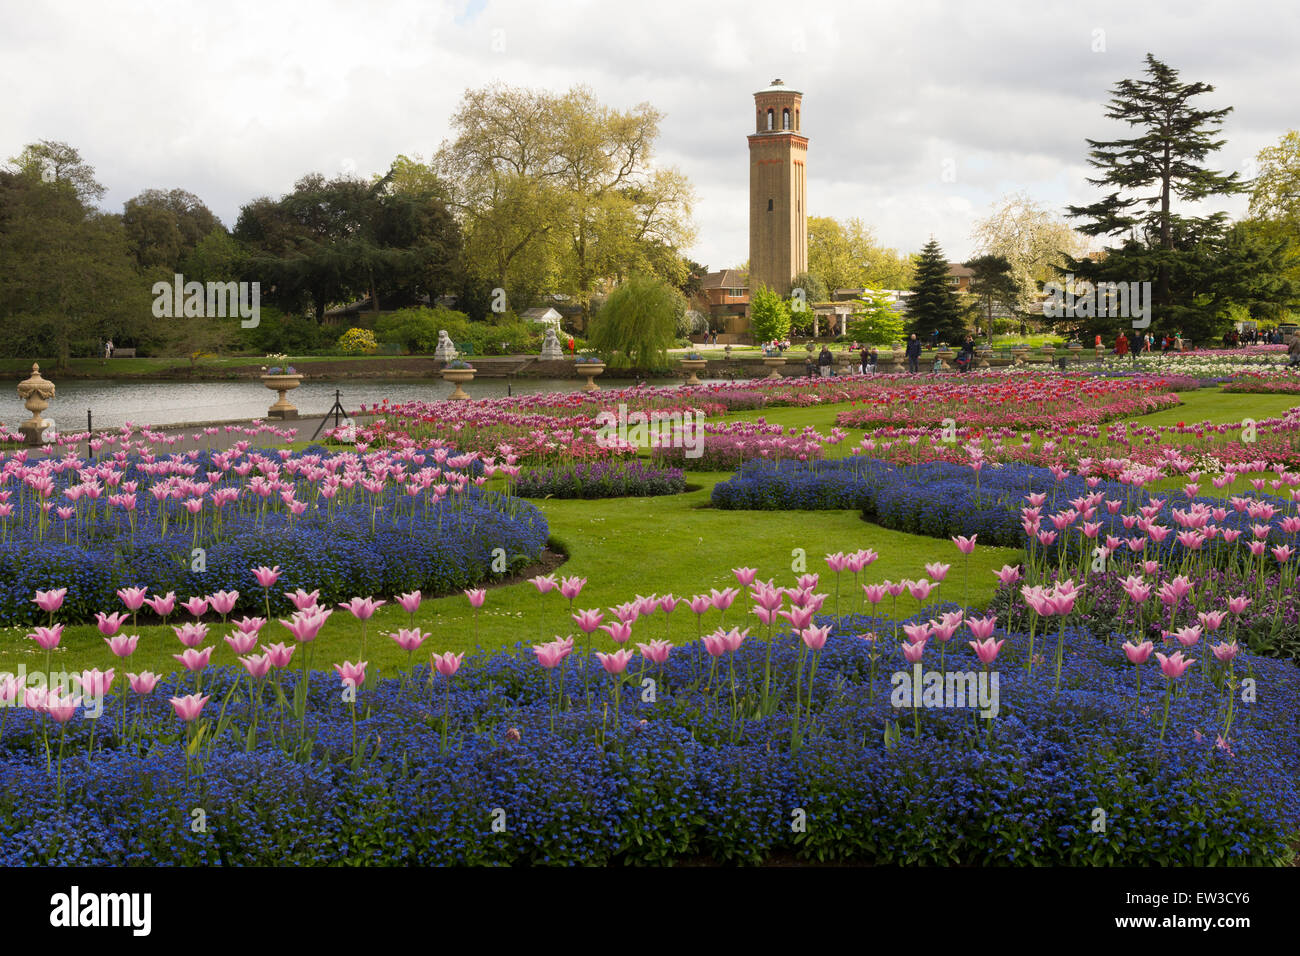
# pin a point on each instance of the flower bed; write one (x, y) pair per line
(477, 769)
(197, 523)
(630, 479)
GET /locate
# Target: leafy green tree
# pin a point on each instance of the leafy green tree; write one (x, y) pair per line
(54, 162)
(994, 285)
(637, 323)
(769, 315)
(875, 321)
(1146, 174)
(933, 305)
(164, 227)
(67, 275)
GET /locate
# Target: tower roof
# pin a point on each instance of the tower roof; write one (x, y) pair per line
(778, 86)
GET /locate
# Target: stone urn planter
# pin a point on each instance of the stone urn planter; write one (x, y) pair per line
(282, 383)
(458, 377)
(945, 355)
(589, 370)
(775, 363)
(36, 392)
(982, 356)
(692, 368)
(1018, 353)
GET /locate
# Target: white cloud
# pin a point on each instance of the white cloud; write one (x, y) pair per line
(239, 100)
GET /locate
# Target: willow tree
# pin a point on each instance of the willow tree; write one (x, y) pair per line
(638, 323)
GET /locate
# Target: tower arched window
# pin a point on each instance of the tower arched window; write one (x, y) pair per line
(785, 118)
(771, 119)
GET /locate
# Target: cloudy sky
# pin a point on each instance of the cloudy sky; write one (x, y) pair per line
(238, 99)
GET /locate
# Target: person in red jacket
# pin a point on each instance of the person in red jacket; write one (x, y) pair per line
(1121, 345)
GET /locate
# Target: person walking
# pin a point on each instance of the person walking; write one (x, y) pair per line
(1121, 345)
(913, 353)
(966, 357)
(825, 361)
(1293, 350)
(108, 350)
(865, 364)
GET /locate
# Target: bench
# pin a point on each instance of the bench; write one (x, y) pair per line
(123, 353)
(464, 348)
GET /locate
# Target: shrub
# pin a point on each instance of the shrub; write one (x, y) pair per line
(601, 479)
(357, 342)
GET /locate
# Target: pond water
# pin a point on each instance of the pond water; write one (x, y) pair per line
(113, 403)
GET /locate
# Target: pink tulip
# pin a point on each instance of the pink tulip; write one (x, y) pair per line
(50, 601)
(965, 545)
(47, 637)
(61, 709)
(807, 582)
(1138, 653)
(1187, 636)
(192, 634)
(121, 645)
(133, 598)
(815, 637)
(476, 597)
(410, 603)
(352, 675)
(875, 592)
(448, 663)
(570, 588)
(721, 600)
(35, 698)
(1211, 620)
(543, 583)
(250, 625)
(799, 617)
(197, 606)
(859, 560)
(715, 643)
(937, 570)
(986, 649)
(769, 598)
(549, 655)
(656, 652)
(837, 562)
(1174, 665)
(194, 660)
(917, 633)
(109, 624)
(266, 577)
(1008, 575)
(1224, 652)
(1238, 605)
(920, 590)
(615, 663)
(409, 639)
(668, 603)
(143, 683)
(363, 608)
(981, 628)
(302, 600)
(163, 606)
(280, 654)
(223, 602)
(745, 576)
(241, 643)
(257, 665)
(189, 707)
(588, 620)
(914, 652)
(734, 638)
(305, 625)
(619, 632)
(95, 683)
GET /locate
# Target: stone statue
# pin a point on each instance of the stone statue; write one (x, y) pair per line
(446, 350)
(551, 345)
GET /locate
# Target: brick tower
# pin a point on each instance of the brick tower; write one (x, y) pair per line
(778, 205)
